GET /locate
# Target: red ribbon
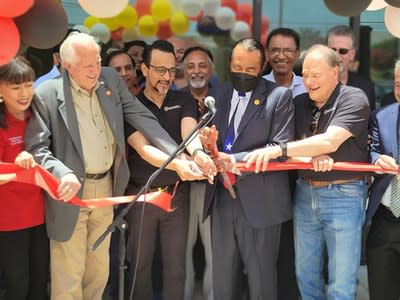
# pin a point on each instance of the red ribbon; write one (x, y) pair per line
(40, 177)
(339, 166)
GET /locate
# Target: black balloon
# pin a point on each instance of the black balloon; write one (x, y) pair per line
(347, 8)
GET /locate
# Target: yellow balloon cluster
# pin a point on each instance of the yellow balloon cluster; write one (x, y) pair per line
(145, 19)
(161, 10)
(147, 25)
(179, 23)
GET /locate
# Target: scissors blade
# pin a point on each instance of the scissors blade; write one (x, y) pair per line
(228, 184)
(227, 180)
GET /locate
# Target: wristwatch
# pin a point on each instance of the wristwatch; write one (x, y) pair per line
(283, 146)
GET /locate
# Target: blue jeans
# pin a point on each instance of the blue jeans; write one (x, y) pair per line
(330, 217)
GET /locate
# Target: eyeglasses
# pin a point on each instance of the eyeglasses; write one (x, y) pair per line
(161, 70)
(285, 51)
(316, 113)
(342, 51)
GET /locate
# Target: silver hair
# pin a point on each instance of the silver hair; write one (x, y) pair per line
(397, 67)
(67, 49)
(327, 54)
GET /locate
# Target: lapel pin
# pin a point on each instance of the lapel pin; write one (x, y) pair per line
(257, 102)
(108, 93)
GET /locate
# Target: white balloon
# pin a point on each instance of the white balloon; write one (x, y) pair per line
(225, 18)
(101, 32)
(130, 35)
(81, 28)
(240, 30)
(210, 7)
(191, 8)
(377, 4)
(103, 8)
(392, 20)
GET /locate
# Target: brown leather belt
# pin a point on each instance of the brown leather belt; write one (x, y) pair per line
(321, 183)
(96, 176)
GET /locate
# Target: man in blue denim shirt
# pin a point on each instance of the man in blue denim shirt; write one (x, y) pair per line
(331, 119)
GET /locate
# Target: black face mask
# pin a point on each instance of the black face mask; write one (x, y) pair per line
(243, 82)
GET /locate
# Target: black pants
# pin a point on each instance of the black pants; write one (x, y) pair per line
(240, 249)
(173, 230)
(24, 261)
(383, 256)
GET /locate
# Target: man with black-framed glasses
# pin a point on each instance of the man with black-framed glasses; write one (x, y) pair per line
(331, 119)
(176, 111)
(342, 39)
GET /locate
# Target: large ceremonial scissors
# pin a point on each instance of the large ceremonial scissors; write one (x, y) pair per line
(223, 166)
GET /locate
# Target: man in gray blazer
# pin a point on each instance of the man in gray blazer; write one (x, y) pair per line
(77, 134)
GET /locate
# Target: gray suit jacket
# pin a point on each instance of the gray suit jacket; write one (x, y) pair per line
(52, 136)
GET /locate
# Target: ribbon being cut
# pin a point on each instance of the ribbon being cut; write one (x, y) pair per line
(42, 178)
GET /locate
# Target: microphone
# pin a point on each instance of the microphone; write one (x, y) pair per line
(209, 101)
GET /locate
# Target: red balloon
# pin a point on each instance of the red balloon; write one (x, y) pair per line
(14, 8)
(244, 12)
(263, 39)
(230, 3)
(198, 17)
(164, 30)
(264, 24)
(116, 35)
(10, 40)
(143, 7)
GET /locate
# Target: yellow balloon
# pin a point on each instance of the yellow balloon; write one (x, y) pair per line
(90, 21)
(161, 10)
(179, 23)
(147, 25)
(128, 17)
(111, 23)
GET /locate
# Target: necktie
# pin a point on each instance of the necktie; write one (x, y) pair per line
(395, 194)
(230, 133)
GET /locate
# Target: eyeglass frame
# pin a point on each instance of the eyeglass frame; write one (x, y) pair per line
(285, 51)
(341, 51)
(316, 114)
(161, 70)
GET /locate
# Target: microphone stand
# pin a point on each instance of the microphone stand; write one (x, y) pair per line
(119, 221)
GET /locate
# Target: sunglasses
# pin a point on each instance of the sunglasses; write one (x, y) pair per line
(316, 113)
(342, 51)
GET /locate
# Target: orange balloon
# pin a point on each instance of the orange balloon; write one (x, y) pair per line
(143, 7)
(244, 12)
(10, 37)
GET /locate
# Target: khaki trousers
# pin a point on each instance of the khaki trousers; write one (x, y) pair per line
(77, 272)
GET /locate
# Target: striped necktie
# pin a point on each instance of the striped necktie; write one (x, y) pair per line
(395, 194)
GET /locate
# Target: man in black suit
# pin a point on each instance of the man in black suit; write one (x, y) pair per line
(251, 113)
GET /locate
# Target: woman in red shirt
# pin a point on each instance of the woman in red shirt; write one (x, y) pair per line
(24, 246)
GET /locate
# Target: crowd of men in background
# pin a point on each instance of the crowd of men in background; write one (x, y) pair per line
(265, 235)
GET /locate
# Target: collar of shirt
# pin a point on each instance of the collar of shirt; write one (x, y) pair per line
(80, 90)
(331, 101)
(296, 84)
(241, 105)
